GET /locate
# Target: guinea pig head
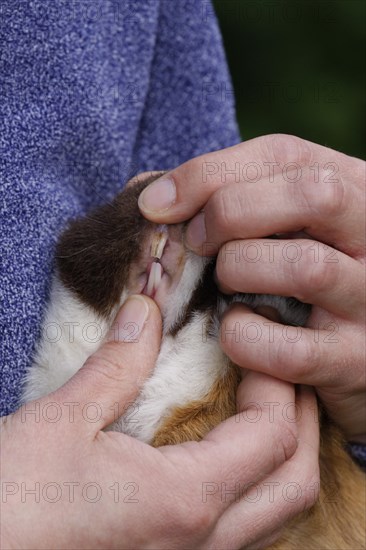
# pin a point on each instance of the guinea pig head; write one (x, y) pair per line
(114, 252)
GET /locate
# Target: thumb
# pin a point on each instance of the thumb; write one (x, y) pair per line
(112, 377)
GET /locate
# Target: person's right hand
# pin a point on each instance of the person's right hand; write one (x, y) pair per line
(315, 198)
(68, 484)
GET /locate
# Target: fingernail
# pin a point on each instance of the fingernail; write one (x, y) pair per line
(158, 196)
(196, 231)
(130, 320)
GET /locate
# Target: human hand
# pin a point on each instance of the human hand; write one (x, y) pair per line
(299, 189)
(68, 484)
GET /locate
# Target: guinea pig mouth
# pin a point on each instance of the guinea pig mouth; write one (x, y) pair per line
(155, 269)
(160, 264)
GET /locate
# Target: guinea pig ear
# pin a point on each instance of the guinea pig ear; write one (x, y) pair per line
(145, 177)
(95, 253)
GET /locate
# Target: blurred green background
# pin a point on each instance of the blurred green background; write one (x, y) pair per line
(298, 67)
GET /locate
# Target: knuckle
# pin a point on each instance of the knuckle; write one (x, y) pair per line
(286, 441)
(202, 520)
(106, 365)
(185, 523)
(280, 356)
(293, 359)
(331, 199)
(307, 359)
(224, 264)
(312, 274)
(286, 148)
(326, 199)
(192, 170)
(220, 210)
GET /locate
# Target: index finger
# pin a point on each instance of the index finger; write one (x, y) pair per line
(274, 167)
(180, 193)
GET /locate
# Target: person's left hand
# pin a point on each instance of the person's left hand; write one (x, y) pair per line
(65, 483)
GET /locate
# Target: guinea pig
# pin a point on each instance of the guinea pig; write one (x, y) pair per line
(113, 252)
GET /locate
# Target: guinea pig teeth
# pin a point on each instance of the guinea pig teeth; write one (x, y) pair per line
(159, 240)
(154, 279)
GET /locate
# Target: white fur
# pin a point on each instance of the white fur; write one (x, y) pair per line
(187, 366)
(62, 350)
(177, 301)
(186, 369)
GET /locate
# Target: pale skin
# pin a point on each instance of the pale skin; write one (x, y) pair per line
(171, 511)
(315, 197)
(184, 496)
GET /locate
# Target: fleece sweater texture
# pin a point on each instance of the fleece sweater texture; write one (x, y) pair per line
(92, 92)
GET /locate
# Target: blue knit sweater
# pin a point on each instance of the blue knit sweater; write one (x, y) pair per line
(92, 92)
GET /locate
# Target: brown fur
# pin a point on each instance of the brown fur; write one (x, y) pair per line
(192, 422)
(95, 253)
(337, 521)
